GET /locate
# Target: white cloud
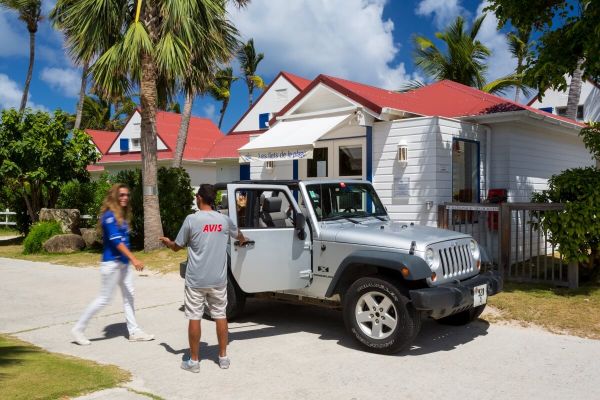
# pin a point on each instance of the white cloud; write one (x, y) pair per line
(444, 12)
(501, 62)
(345, 38)
(209, 111)
(65, 80)
(10, 95)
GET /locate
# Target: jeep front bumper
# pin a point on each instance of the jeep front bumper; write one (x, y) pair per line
(451, 298)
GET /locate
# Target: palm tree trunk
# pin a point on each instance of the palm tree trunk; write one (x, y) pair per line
(84, 73)
(29, 71)
(250, 90)
(223, 109)
(152, 223)
(183, 130)
(574, 92)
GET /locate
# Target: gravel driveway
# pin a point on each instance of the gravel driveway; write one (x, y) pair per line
(282, 351)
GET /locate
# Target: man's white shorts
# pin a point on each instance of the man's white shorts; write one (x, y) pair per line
(196, 298)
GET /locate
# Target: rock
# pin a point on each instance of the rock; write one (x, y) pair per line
(91, 238)
(68, 218)
(67, 243)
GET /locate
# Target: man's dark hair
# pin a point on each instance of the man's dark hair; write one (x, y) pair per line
(207, 193)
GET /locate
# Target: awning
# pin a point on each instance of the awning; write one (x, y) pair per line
(290, 139)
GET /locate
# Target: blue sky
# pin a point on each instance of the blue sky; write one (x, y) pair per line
(369, 41)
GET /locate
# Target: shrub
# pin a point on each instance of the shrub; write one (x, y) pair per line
(87, 197)
(38, 234)
(576, 230)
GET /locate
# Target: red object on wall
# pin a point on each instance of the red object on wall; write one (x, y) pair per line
(495, 196)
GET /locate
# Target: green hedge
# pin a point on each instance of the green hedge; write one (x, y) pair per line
(38, 234)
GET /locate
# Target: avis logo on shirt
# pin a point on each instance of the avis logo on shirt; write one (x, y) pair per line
(213, 228)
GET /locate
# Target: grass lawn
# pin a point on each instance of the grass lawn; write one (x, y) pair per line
(161, 261)
(28, 372)
(560, 310)
(8, 231)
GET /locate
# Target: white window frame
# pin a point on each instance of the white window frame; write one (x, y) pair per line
(349, 143)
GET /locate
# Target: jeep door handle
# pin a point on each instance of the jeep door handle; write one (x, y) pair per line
(249, 243)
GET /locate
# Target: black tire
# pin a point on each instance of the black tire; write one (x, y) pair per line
(407, 319)
(236, 301)
(463, 317)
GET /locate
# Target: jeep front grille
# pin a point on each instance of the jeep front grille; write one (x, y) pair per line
(456, 260)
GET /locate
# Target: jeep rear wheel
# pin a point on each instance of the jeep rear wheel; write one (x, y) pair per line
(236, 301)
(379, 316)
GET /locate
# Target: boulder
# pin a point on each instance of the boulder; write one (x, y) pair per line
(67, 243)
(68, 218)
(91, 238)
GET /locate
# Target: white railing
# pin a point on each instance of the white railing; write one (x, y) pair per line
(5, 221)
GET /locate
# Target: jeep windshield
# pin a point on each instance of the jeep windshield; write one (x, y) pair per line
(334, 201)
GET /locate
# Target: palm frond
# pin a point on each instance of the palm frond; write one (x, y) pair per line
(411, 85)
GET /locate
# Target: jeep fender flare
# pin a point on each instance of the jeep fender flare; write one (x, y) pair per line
(417, 267)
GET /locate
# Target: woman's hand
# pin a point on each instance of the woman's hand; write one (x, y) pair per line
(139, 266)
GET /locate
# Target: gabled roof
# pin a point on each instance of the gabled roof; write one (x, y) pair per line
(102, 139)
(444, 98)
(296, 81)
(202, 135)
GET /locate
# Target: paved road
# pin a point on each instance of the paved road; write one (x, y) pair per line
(282, 351)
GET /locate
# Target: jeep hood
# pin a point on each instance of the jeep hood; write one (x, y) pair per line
(394, 235)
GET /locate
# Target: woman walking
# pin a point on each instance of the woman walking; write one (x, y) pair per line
(114, 222)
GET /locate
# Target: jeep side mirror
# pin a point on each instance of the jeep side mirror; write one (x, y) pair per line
(300, 223)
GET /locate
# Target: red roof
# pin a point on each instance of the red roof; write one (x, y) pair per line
(202, 135)
(297, 81)
(102, 139)
(228, 146)
(445, 98)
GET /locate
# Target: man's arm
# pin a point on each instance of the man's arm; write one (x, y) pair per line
(170, 244)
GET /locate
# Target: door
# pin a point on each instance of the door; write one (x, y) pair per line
(278, 259)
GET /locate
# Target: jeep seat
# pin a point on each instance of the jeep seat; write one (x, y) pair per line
(271, 215)
(223, 207)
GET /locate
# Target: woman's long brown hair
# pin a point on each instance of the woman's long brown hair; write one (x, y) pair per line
(111, 202)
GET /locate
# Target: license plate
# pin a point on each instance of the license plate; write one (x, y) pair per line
(479, 295)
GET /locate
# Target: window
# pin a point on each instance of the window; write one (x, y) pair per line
(562, 111)
(260, 209)
(263, 121)
(124, 144)
(465, 171)
(317, 166)
(338, 201)
(350, 160)
(135, 142)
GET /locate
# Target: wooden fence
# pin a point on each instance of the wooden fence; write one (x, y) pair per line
(511, 241)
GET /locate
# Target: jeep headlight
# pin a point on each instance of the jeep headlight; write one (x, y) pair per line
(430, 258)
(474, 247)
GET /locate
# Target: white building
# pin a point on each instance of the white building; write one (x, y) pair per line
(441, 143)
(555, 102)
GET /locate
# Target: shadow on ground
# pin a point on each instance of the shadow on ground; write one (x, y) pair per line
(282, 319)
(11, 355)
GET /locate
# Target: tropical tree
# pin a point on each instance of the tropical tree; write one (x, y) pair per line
(464, 60)
(98, 113)
(566, 42)
(139, 44)
(221, 90)
(30, 12)
(39, 153)
(519, 45)
(249, 61)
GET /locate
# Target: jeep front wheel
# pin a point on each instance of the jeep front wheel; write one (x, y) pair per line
(379, 316)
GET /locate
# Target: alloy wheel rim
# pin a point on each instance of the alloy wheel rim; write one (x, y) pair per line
(376, 315)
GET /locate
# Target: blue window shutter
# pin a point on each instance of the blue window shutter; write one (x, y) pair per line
(263, 121)
(124, 144)
(547, 109)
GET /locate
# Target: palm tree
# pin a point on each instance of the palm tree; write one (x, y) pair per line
(139, 44)
(98, 113)
(519, 46)
(463, 62)
(249, 61)
(221, 89)
(30, 12)
(574, 91)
